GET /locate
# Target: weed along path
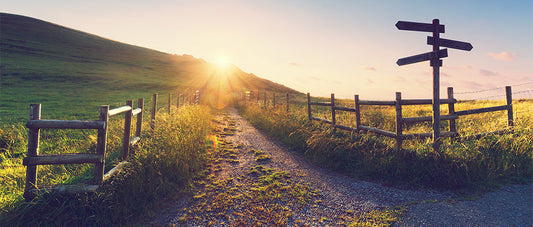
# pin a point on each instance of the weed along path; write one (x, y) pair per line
(254, 180)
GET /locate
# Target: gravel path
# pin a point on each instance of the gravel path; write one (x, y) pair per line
(342, 198)
(508, 206)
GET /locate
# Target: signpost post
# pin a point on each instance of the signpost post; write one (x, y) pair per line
(435, 61)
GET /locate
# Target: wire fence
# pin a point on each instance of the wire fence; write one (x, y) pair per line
(520, 91)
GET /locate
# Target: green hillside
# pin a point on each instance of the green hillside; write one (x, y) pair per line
(71, 72)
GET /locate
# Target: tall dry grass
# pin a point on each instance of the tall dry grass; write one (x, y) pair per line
(472, 164)
(165, 161)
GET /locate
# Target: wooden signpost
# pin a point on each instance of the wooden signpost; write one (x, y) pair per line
(434, 57)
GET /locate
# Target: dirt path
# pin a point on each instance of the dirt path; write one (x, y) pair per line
(299, 193)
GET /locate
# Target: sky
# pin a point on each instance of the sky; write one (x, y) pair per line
(323, 47)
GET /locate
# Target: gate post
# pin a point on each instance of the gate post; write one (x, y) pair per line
(509, 96)
(101, 143)
(399, 122)
(33, 151)
(127, 131)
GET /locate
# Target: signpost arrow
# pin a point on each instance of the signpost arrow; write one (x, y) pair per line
(436, 28)
(451, 44)
(421, 57)
(421, 27)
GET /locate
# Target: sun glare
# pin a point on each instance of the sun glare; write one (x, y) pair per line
(222, 62)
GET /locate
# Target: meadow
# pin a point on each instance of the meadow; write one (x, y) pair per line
(462, 165)
(165, 163)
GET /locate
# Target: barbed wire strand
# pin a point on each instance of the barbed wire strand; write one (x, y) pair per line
(496, 96)
(491, 89)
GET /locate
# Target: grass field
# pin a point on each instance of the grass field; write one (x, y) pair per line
(165, 162)
(461, 165)
(72, 73)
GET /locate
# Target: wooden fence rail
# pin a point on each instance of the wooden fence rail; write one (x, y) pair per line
(250, 96)
(33, 159)
(401, 121)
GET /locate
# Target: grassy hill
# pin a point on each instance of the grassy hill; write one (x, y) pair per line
(71, 72)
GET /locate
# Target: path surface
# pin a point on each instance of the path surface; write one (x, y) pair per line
(341, 198)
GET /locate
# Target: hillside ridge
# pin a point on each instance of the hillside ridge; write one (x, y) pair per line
(42, 62)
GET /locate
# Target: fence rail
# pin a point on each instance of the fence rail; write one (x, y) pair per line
(401, 121)
(60, 124)
(250, 96)
(34, 159)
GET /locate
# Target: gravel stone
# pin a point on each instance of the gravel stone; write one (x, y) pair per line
(343, 197)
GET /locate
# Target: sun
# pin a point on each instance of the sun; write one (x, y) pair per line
(222, 62)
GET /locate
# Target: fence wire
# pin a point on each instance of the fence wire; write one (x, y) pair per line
(492, 89)
(519, 91)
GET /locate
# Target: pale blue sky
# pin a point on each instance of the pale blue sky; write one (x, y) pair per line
(345, 47)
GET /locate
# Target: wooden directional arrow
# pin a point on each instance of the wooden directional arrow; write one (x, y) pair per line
(421, 57)
(421, 27)
(451, 44)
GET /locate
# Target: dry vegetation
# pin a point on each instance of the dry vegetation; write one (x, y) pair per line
(165, 162)
(472, 164)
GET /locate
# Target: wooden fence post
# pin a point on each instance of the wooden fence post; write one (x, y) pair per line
(309, 105)
(287, 102)
(451, 111)
(251, 96)
(101, 145)
(357, 112)
(127, 131)
(333, 121)
(509, 96)
(265, 99)
(138, 128)
(154, 110)
(33, 151)
(169, 100)
(178, 100)
(399, 123)
(273, 100)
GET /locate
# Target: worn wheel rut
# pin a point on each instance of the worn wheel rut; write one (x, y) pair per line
(254, 180)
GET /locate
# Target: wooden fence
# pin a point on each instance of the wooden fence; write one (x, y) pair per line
(34, 159)
(401, 121)
(250, 96)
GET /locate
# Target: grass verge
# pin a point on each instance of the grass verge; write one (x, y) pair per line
(165, 162)
(476, 164)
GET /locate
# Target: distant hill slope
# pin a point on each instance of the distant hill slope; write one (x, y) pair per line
(41, 62)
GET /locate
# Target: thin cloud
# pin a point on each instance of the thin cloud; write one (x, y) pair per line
(422, 83)
(473, 86)
(467, 67)
(443, 74)
(294, 64)
(485, 72)
(370, 81)
(446, 84)
(503, 56)
(369, 68)
(314, 78)
(400, 79)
